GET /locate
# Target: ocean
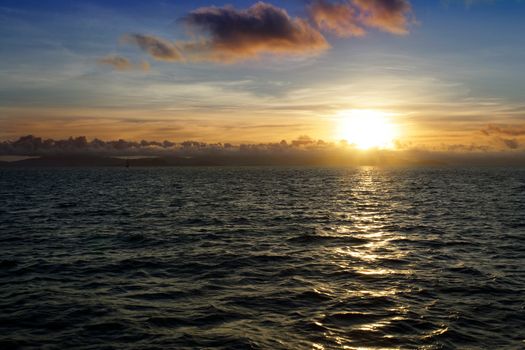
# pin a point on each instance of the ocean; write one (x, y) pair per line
(262, 258)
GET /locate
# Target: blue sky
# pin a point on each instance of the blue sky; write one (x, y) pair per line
(460, 67)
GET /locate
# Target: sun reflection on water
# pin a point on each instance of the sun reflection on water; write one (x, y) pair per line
(369, 255)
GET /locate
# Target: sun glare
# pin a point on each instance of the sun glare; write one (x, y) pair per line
(366, 129)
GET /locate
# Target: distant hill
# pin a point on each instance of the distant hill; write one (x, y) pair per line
(268, 159)
(83, 161)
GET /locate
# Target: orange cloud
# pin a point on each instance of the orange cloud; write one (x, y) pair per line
(227, 34)
(348, 18)
(388, 15)
(340, 18)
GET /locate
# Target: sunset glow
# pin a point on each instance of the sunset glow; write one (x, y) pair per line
(382, 75)
(233, 174)
(367, 129)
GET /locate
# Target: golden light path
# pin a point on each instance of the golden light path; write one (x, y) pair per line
(367, 129)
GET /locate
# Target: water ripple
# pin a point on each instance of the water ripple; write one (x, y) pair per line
(262, 258)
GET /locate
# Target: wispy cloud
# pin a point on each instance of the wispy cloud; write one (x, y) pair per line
(510, 136)
(506, 130)
(123, 64)
(160, 49)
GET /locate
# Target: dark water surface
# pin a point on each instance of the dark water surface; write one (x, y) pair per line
(262, 258)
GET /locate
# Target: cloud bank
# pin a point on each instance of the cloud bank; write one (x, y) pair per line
(36, 146)
(302, 151)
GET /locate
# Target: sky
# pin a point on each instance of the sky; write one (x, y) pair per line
(448, 75)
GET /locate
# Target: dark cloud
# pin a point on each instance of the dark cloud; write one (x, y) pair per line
(340, 18)
(467, 148)
(159, 49)
(511, 143)
(36, 146)
(505, 130)
(388, 15)
(227, 34)
(31, 145)
(231, 34)
(506, 135)
(123, 64)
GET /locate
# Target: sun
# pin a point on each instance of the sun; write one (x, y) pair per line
(366, 129)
